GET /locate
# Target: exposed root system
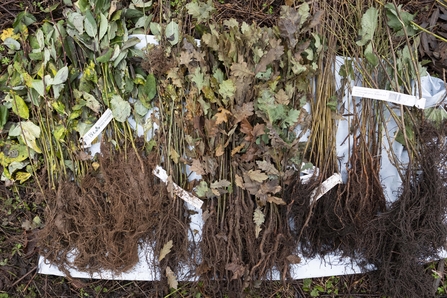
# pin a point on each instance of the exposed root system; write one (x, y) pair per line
(108, 214)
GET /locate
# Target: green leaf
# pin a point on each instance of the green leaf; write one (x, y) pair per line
(199, 10)
(103, 26)
(19, 107)
(172, 33)
(3, 116)
(292, 117)
(61, 76)
(398, 24)
(148, 91)
(198, 78)
(140, 108)
(91, 102)
(202, 189)
(369, 25)
(370, 56)
(39, 87)
(106, 57)
(120, 108)
(12, 44)
(227, 89)
(91, 28)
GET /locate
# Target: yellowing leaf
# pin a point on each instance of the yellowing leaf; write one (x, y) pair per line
(174, 155)
(227, 89)
(19, 107)
(95, 165)
(22, 176)
(165, 250)
(172, 280)
(257, 175)
(222, 116)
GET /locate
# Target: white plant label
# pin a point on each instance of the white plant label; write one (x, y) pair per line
(97, 128)
(183, 194)
(326, 186)
(390, 96)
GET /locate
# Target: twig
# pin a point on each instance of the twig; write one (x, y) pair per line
(20, 279)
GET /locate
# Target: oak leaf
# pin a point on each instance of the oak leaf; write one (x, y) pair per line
(165, 250)
(196, 167)
(241, 70)
(172, 280)
(257, 175)
(222, 116)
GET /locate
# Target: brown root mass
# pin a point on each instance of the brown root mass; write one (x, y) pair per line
(109, 213)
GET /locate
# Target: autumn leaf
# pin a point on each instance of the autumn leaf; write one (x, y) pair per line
(267, 167)
(293, 259)
(258, 219)
(196, 167)
(258, 130)
(172, 280)
(211, 128)
(257, 175)
(165, 250)
(220, 184)
(220, 150)
(185, 58)
(272, 55)
(238, 270)
(243, 112)
(275, 200)
(173, 74)
(281, 97)
(239, 182)
(247, 129)
(222, 116)
(237, 149)
(174, 155)
(241, 70)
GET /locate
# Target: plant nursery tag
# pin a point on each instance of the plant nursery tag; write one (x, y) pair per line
(326, 186)
(97, 128)
(390, 96)
(183, 194)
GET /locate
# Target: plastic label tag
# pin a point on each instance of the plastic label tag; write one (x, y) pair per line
(326, 186)
(390, 96)
(97, 128)
(183, 194)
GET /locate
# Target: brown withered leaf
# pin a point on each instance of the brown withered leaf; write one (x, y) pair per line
(247, 129)
(289, 23)
(211, 128)
(239, 182)
(220, 184)
(258, 130)
(222, 116)
(257, 175)
(197, 167)
(275, 200)
(293, 259)
(220, 150)
(272, 55)
(267, 167)
(281, 97)
(165, 250)
(172, 280)
(243, 112)
(316, 20)
(241, 70)
(185, 58)
(237, 149)
(238, 270)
